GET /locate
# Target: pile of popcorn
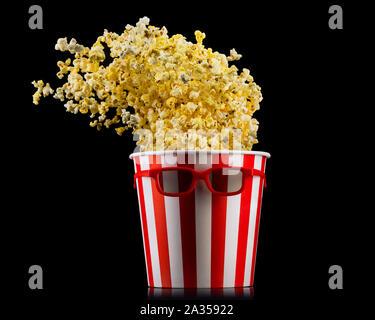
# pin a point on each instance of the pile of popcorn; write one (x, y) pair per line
(155, 85)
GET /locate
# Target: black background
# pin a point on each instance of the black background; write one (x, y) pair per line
(69, 198)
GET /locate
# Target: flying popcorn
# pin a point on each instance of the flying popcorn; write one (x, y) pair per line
(152, 77)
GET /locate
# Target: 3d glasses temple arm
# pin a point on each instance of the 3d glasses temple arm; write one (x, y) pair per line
(145, 173)
(256, 172)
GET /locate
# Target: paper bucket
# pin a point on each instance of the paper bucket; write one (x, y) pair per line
(200, 240)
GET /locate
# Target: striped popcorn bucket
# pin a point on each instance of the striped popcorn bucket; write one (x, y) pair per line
(200, 238)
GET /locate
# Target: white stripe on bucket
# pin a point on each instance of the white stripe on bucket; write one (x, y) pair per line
(260, 212)
(231, 229)
(252, 222)
(140, 215)
(203, 227)
(149, 205)
(172, 214)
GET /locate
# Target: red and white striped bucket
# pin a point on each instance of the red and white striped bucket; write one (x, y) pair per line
(200, 240)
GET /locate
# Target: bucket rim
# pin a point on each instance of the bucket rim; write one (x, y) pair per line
(156, 153)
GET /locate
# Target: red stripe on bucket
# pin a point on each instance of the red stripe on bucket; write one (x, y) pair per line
(150, 292)
(243, 228)
(218, 224)
(239, 291)
(144, 226)
(161, 227)
(257, 223)
(190, 292)
(187, 220)
(217, 292)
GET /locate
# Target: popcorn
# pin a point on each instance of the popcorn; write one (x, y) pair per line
(193, 95)
(42, 89)
(191, 107)
(199, 36)
(59, 94)
(71, 107)
(62, 44)
(234, 55)
(47, 90)
(73, 47)
(152, 78)
(183, 77)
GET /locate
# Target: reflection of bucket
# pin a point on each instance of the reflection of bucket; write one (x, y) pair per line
(199, 240)
(246, 293)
